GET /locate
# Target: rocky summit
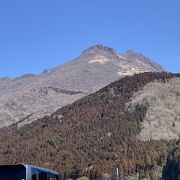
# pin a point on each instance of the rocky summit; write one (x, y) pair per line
(30, 97)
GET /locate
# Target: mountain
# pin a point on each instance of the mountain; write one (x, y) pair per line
(117, 126)
(30, 97)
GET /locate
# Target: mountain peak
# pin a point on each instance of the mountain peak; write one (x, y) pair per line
(137, 58)
(133, 53)
(99, 48)
(130, 51)
(97, 67)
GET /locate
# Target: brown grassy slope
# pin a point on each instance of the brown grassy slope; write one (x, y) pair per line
(97, 130)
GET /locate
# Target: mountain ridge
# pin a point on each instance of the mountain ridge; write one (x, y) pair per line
(95, 68)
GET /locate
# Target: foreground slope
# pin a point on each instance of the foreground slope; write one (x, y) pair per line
(162, 120)
(93, 135)
(30, 97)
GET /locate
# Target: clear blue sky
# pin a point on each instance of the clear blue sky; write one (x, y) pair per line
(39, 34)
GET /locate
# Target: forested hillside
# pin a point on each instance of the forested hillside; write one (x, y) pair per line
(29, 97)
(92, 136)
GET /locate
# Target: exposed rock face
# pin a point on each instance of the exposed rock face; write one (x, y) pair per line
(138, 60)
(162, 120)
(30, 97)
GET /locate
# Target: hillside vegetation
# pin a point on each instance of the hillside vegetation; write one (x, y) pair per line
(162, 120)
(92, 136)
(30, 97)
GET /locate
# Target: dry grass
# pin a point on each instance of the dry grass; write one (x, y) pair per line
(162, 120)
